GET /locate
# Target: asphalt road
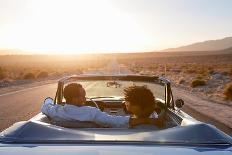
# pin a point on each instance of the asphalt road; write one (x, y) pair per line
(24, 104)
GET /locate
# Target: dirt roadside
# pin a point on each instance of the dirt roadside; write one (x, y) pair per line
(217, 114)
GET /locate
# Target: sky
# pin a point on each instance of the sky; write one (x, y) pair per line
(105, 26)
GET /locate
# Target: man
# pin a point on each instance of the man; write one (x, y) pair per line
(140, 101)
(74, 109)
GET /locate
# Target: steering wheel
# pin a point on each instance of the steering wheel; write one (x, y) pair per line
(95, 103)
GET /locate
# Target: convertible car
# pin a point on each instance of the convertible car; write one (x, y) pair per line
(181, 133)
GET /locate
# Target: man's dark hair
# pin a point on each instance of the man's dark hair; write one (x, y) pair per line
(71, 90)
(140, 96)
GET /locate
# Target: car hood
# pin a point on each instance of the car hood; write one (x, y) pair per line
(26, 149)
(37, 132)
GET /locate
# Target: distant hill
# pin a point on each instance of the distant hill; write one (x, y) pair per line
(210, 45)
(228, 50)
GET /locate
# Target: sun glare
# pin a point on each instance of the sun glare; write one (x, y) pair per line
(106, 26)
(76, 27)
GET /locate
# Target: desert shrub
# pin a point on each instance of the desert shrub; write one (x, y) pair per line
(228, 91)
(210, 68)
(200, 77)
(20, 76)
(201, 71)
(2, 74)
(184, 66)
(181, 81)
(197, 82)
(42, 75)
(29, 76)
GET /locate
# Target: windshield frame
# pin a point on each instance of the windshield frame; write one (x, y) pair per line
(136, 78)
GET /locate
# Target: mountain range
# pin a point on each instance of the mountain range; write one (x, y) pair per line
(210, 45)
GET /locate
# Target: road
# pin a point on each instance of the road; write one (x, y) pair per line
(24, 104)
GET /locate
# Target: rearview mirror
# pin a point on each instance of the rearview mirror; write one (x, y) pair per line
(179, 103)
(48, 100)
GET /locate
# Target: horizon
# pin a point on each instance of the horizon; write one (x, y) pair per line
(103, 26)
(17, 52)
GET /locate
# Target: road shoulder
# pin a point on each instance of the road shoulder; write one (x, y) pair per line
(214, 113)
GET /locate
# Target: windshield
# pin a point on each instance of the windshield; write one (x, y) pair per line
(106, 88)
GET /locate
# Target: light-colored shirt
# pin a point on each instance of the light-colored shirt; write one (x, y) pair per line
(70, 112)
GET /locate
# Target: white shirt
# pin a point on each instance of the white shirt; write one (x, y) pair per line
(84, 113)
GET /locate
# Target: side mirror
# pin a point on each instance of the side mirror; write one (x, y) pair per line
(179, 103)
(48, 100)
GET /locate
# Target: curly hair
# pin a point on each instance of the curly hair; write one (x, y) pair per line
(140, 96)
(71, 90)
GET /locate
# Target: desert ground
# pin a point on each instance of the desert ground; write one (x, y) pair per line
(203, 80)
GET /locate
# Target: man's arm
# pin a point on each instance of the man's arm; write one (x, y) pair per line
(123, 121)
(111, 120)
(50, 109)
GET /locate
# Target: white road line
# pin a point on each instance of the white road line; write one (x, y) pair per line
(18, 91)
